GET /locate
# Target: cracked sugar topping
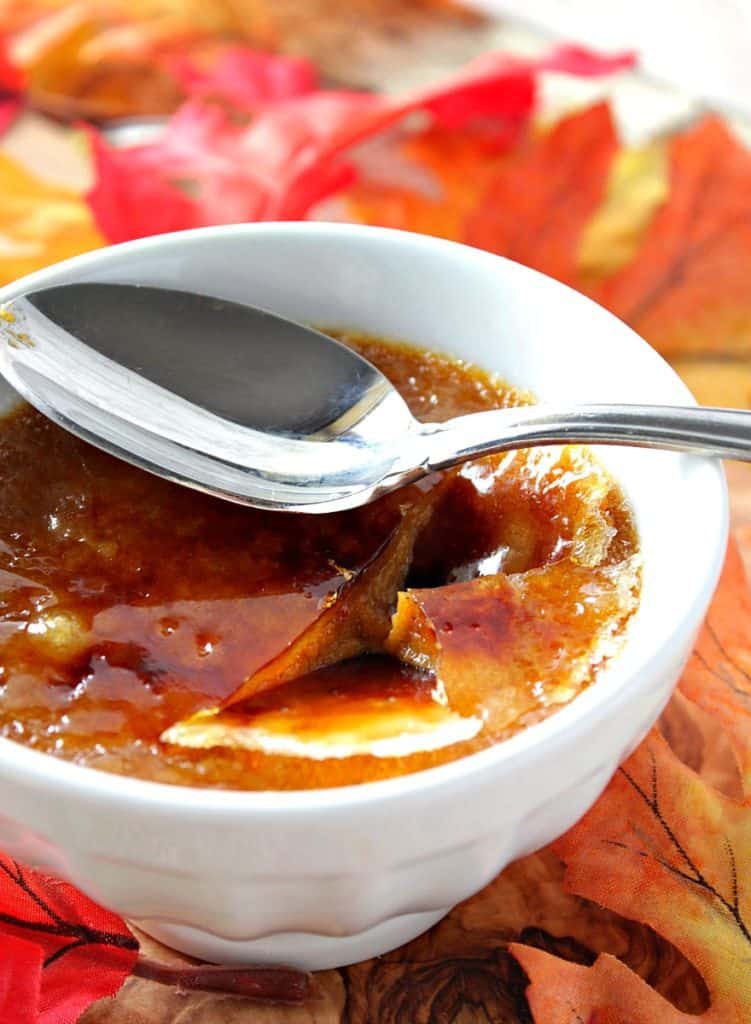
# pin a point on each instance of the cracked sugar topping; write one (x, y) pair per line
(152, 631)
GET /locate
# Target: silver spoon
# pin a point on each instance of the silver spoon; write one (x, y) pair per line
(248, 406)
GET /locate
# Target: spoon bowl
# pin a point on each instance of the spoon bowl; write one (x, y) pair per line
(219, 396)
(258, 409)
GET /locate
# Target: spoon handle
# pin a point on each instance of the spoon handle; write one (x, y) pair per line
(723, 433)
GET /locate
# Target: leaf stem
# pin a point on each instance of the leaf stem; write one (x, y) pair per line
(271, 984)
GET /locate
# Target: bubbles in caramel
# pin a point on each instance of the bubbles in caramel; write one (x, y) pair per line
(152, 631)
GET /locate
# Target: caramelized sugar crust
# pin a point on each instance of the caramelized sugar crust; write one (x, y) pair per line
(128, 605)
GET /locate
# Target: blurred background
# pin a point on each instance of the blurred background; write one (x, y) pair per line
(703, 46)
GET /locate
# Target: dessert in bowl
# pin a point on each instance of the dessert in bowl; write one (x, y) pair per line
(388, 788)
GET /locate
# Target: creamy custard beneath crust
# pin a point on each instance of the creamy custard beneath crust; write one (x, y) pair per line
(151, 631)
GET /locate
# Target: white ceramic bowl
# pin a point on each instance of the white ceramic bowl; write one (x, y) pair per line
(329, 877)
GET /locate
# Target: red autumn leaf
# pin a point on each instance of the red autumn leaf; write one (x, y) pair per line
(12, 85)
(129, 205)
(577, 60)
(497, 85)
(9, 111)
(294, 153)
(232, 174)
(12, 78)
(245, 78)
(475, 94)
(20, 980)
(536, 209)
(687, 287)
(493, 87)
(301, 148)
(84, 952)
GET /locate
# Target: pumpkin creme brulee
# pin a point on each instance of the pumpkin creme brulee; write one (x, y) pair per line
(151, 631)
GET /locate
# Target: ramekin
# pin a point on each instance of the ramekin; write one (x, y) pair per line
(328, 877)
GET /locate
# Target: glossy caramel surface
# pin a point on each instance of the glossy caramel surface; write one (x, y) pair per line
(127, 604)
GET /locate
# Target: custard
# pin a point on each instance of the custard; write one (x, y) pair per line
(151, 631)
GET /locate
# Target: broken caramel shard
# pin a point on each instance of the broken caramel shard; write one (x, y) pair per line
(358, 620)
(508, 646)
(355, 621)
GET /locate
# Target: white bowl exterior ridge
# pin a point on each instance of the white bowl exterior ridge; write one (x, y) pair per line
(328, 877)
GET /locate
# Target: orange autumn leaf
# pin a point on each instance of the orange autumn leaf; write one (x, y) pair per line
(460, 167)
(102, 59)
(290, 26)
(562, 992)
(434, 181)
(687, 288)
(83, 61)
(218, 18)
(536, 209)
(664, 848)
(453, 168)
(718, 676)
(40, 223)
(251, 19)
